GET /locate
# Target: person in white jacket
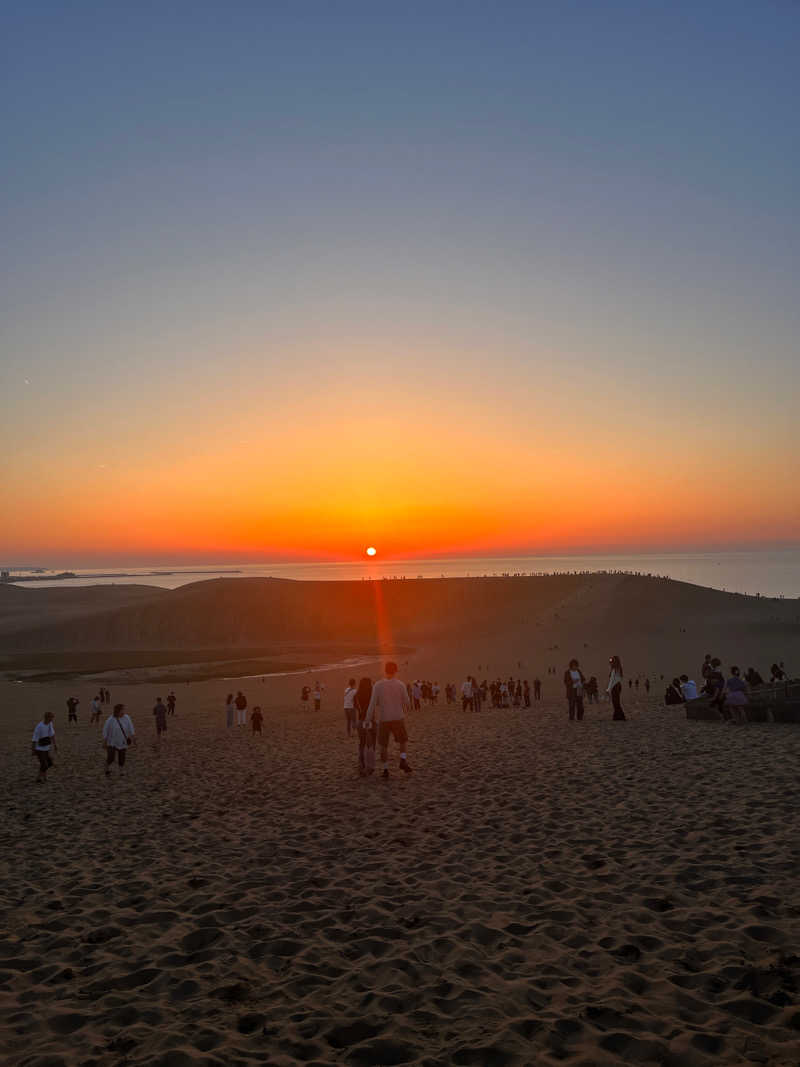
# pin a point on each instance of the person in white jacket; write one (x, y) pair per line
(118, 734)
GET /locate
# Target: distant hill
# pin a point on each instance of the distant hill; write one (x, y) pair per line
(485, 620)
(254, 612)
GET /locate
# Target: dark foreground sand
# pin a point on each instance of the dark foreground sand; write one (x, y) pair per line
(536, 892)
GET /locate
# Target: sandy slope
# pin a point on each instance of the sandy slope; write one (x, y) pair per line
(534, 892)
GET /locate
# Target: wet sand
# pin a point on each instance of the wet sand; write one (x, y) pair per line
(535, 892)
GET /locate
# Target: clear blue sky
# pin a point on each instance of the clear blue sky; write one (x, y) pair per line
(564, 205)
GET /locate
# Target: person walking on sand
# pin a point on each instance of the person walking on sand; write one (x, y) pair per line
(477, 694)
(160, 713)
(256, 720)
(614, 688)
(43, 740)
(388, 706)
(241, 708)
(366, 735)
(574, 682)
(349, 710)
(72, 710)
(537, 689)
(230, 710)
(118, 734)
(171, 701)
(96, 710)
(467, 696)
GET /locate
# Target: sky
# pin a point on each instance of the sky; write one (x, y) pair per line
(283, 280)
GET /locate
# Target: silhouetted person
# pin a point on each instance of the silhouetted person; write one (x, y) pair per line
(366, 735)
(614, 688)
(673, 694)
(573, 683)
(160, 713)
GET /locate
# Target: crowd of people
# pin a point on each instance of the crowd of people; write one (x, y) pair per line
(376, 713)
(729, 695)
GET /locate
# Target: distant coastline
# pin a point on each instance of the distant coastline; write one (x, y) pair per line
(64, 576)
(764, 572)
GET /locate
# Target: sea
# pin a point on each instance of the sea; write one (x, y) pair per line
(765, 573)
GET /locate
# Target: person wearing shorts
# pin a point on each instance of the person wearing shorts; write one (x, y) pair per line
(388, 706)
(43, 740)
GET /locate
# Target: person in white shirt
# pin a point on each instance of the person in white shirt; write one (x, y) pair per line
(118, 734)
(466, 694)
(388, 706)
(349, 709)
(688, 688)
(96, 710)
(44, 739)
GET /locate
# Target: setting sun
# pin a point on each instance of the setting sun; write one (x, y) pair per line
(372, 551)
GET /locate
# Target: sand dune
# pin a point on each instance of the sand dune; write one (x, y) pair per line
(535, 892)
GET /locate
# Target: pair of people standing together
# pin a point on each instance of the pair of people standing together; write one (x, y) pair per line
(575, 683)
(380, 712)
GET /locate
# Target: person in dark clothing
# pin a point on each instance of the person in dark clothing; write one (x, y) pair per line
(574, 682)
(673, 695)
(171, 701)
(256, 719)
(526, 694)
(160, 713)
(753, 677)
(366, 735)
(537, 689)
(72, 710)
(715, 688)
(777, 672)
(241, 709)
(614, 688)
